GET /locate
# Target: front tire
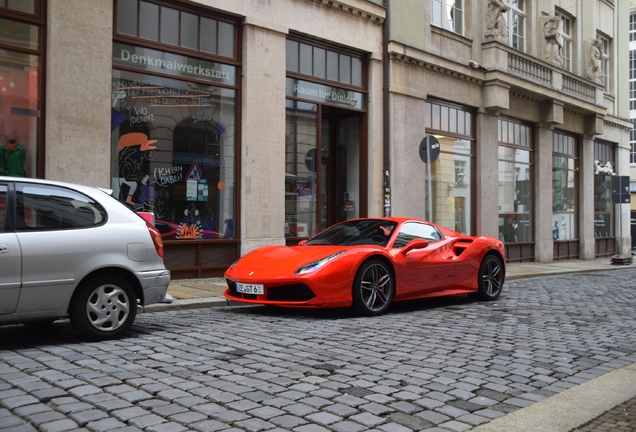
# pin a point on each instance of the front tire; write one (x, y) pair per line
(104, 308)
(491, 278)
(373, 288)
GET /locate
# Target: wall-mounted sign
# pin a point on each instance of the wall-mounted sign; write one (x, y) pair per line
(172, 64)
(324, 94)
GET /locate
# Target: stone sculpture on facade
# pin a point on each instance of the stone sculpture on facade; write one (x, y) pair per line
(593, 67)
(496, 26)
(553, 47)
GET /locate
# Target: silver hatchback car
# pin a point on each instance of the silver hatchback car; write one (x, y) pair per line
(74, 251)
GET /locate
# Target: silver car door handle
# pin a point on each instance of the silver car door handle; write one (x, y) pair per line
(4, 248)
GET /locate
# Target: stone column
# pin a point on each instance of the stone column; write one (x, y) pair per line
(262, 192)
(375, 140)
(78, 87)
(543, 246)
(487, 184)
(586, 198)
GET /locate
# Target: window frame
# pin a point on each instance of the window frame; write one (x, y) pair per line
(606, 48)
(568, 41)
(447, 7)
(518, 13)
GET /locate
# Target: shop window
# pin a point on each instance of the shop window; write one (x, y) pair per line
(515, 182)
(172, 26)
(173, 154)
(564, 187)
(301, 179)
(451, 173)
(19, 96)
(604, 169)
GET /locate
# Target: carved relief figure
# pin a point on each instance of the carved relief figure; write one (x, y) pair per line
(553, 48)
(496, 26)
(594, 69)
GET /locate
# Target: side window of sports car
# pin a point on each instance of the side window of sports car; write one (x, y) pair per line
(414, 230)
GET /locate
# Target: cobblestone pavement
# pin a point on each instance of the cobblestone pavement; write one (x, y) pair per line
(620, 419)
(439, 365)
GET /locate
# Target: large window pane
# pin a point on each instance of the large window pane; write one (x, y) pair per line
(174, 155)
(226, 39)
(26, 6)
(189, 30)
(603, 214)
(515, 195)
(564, 199)
(291, 53)
(208, 35)
(149, 21)
(169, 26)
(320, 62)
(301, 188)
(332, 65)
(127, 17)
(20, 35)
(451, 185)
(345, 69)
(306, 56)
(19, 113)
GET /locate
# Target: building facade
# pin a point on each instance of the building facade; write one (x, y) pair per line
(632, 117)
(528, 102)
(240, 124)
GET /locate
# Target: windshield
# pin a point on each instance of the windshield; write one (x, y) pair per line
(358, 232)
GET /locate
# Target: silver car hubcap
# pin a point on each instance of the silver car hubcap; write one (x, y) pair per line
(492, 277)
(376, 287)
(108, 307)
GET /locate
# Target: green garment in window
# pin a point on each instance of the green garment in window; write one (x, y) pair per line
(12, 161)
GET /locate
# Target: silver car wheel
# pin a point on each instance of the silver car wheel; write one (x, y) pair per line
(376, 287)
(108, 307)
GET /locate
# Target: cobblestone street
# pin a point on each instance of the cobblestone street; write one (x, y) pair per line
(440, 365)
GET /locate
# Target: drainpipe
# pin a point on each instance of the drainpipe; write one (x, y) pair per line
(386, 189)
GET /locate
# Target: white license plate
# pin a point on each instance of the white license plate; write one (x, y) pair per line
(250, 288)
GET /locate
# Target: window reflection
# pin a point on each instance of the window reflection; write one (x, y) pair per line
(173, 153)
(451, 177)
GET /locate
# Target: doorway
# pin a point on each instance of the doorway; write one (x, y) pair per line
(340, 195)
(324, 175)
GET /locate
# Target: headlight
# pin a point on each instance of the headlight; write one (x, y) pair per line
(233, 264)
(316, 264)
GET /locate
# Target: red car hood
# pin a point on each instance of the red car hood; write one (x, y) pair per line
(278, 261)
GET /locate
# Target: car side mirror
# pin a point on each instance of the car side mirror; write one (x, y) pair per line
(302, 242)
(414, 244)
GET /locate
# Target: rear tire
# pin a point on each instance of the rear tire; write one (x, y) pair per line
(104, 308)
(490, 280)
(373, 288)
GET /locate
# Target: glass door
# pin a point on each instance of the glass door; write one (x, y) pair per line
(341, 165)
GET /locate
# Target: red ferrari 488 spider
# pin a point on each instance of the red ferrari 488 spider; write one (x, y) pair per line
(367, 264)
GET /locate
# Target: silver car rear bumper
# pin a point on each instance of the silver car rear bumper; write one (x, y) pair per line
(154, 285)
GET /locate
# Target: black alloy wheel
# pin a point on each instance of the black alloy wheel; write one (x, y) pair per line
(491, 278)
(373, 288)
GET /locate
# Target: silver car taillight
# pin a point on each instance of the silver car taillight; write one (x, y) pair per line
(156, 239)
